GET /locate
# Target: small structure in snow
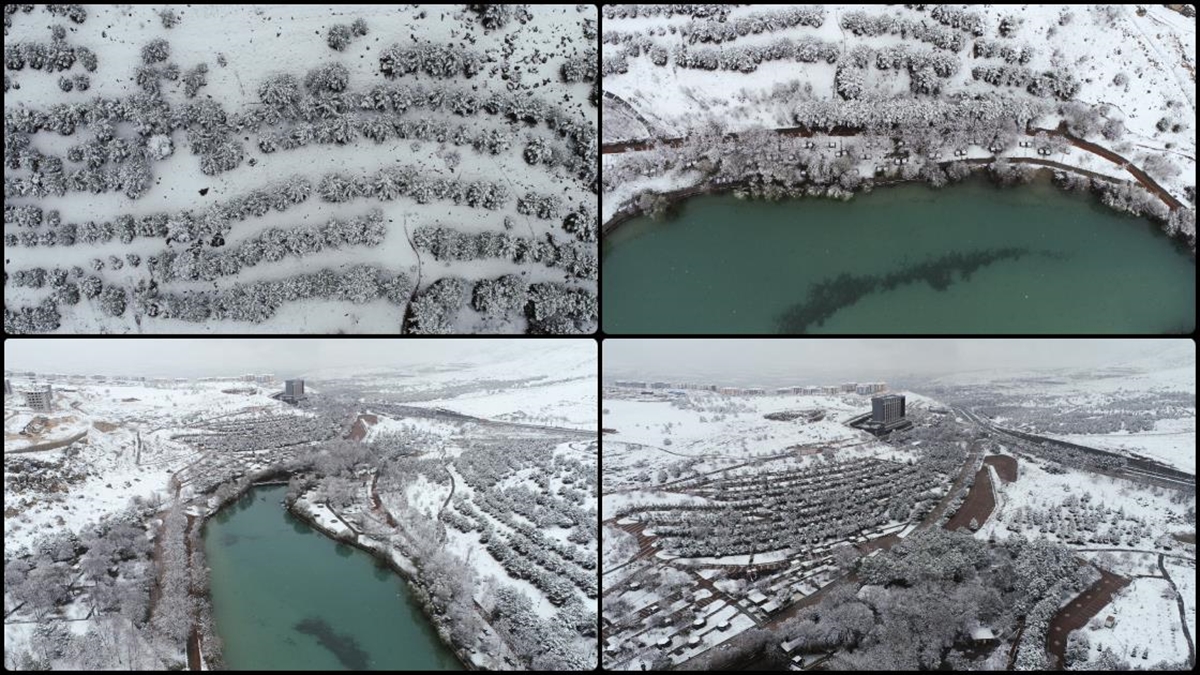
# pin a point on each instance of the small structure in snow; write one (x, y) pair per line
(1110, 621)
(983, 635)
(756, 597)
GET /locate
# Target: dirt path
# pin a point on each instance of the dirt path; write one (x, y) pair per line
(359, 429)
(1006, 467)
(1079, 611)
(193, 642)
(1182, 612)
(978, 504)
(1141, 176)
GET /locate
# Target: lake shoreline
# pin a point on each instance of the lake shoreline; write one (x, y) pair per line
(271, 480)
(672, 199)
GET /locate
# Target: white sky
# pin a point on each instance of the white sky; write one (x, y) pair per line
(231, 356)
(772, 361)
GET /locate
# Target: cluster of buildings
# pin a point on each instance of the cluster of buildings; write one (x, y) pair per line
(265, 378)
(864, 388)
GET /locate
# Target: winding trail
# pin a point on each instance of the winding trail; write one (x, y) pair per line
(1182, 612)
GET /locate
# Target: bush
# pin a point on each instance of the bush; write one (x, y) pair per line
(498, 298)
(331, 77)
(435, 309)
(281, 92)
(359, 27)
(339, 36)
(156, 51)
(497, 16)
(168, 17)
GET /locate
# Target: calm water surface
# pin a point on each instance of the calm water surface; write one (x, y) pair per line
(287, 597)
(965, 259)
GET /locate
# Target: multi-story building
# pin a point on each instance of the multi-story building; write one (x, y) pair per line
(293, 389)
(39, 399)
(8, 390)
(887, 409)
(849, 387)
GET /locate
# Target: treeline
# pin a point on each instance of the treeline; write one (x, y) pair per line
(861, 23)
(272, 245)
(767, 21)
(747, 59)
(548, 308)
(450, 244)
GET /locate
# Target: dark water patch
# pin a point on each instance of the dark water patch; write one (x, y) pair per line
(286, 598)
(827, 297)
(343, 550)
(344, 647)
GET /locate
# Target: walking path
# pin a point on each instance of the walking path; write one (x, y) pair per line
(1182, 613)
(1079, 611)
(842, 131)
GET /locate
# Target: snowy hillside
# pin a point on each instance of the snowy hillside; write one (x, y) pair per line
(827, 99)
(300, 168)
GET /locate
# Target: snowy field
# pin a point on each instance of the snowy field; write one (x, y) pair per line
(107, 461)
(663, 437)
(1146, 618)
(1173, 442)
(1183, 573)
(1038, 492)
(301, 169)
(1158, 389)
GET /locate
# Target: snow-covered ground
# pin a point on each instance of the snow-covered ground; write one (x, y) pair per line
(112, 471)
(1137, 63)
(1146, 619)
(1172, 442)
(1183, 573)
(1044, 492)
(661, 436)
(244, 45)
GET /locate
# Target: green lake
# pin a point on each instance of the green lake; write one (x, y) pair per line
(968, 258)
(287, 597)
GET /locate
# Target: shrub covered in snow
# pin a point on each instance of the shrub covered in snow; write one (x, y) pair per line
(156, 51)
(435, 308)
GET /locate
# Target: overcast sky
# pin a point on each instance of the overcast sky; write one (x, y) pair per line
(282, 357)
(798, 361)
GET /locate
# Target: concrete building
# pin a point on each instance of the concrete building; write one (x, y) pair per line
(849, 387)
(39, 399)
(8, 388)
(293, 389)
(756, 391)
(660, 385)
(887, 409)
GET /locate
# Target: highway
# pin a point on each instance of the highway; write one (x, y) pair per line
(1135, 469)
